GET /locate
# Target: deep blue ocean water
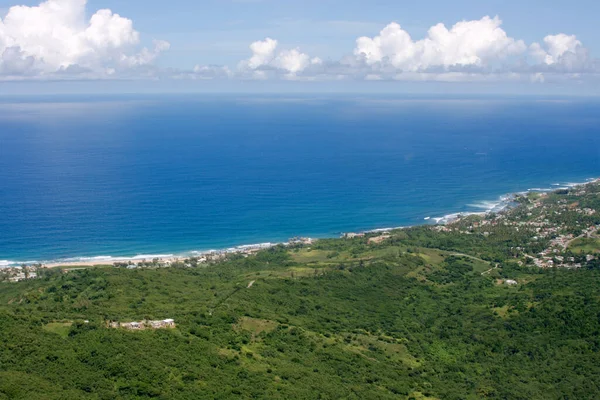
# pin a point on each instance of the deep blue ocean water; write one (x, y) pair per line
(90, 176)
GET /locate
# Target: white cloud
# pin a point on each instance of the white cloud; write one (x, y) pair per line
(468, 43)
(209, 72)
(469, 51)
(559, 45)
(145, 56)
(56, 40)
(263, 53)
(563, 53)
(265, 58)
(55, 37)
(292, 60)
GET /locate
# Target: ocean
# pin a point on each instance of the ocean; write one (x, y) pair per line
(89, 176)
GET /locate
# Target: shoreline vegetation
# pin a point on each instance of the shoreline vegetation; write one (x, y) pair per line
(505, 202)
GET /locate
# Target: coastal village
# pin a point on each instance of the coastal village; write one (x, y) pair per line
(20, 273)
(33, 271)
(549, 225)
(210, 257)
(542, 220)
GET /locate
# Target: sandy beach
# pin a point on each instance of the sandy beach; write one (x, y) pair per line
(110, 262)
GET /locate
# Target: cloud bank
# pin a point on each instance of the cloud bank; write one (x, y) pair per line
(55, 40)
(479, 50)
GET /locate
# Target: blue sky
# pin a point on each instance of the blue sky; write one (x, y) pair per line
(312, 40)
(219, 31)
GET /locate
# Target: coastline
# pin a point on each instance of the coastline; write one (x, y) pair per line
(504, 202)
(162, 258)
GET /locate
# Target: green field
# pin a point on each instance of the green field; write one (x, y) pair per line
(585, 246)
(60, 328)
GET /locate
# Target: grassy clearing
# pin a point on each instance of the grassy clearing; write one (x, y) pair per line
(480, 266)
(585, 246)
(421, 396)
(433, 256)
(256, 326)
(309, 256)
(502, 311)
(60, 328)
(228, 353)
(291, 273)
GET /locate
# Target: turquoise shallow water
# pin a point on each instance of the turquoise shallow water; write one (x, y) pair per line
(121, 176)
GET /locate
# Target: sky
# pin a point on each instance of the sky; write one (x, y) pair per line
(284, 45)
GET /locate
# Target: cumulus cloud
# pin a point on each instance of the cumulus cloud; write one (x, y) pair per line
(55, 40)
(563, 53)
(266, 60)
(263, 52)
(55, 37)
(469, 51)
(556, 48)
(468, 43)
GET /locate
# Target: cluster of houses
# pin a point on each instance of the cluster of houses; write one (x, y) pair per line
(17, 274)
(209, 257)
(379, 239)
(542, 227)
(142, 325)
(551, 256)
(20, 273)
(300, 241)
(352, 235)
(372, 240)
